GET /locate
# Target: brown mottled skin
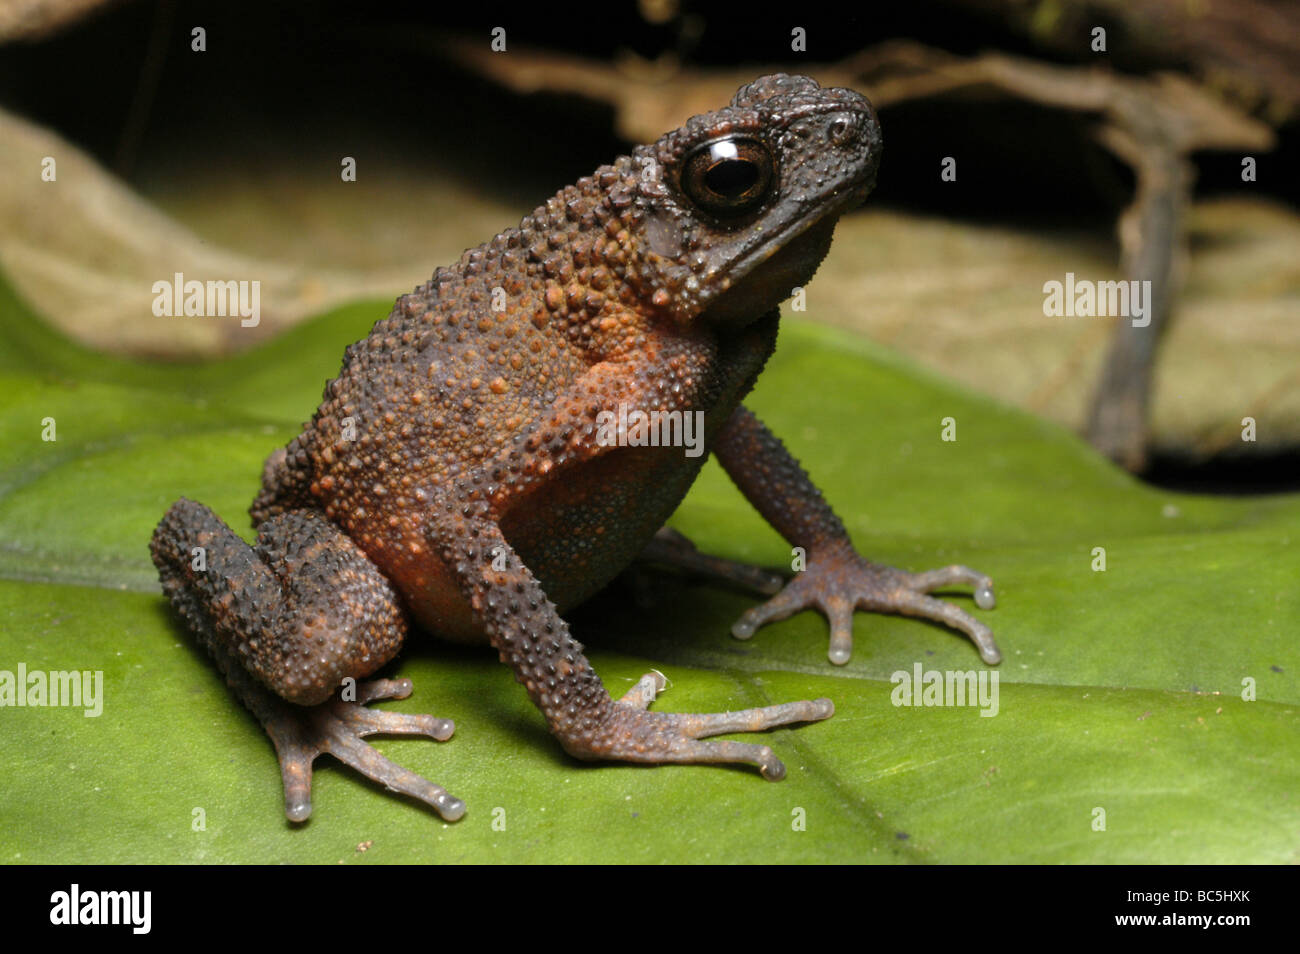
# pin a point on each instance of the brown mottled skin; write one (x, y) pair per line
(452, 476)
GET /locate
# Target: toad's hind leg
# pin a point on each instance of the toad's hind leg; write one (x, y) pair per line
(668, 547)
(288, 621)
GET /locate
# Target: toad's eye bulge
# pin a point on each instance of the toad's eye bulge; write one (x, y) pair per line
(729, 176)
(482, 513)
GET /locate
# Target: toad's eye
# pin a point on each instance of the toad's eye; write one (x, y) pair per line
(728, 177)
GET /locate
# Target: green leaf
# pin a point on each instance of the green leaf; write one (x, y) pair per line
(1121, 690)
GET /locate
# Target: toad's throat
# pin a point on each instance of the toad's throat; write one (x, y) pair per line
(767, 273)
(772, 279)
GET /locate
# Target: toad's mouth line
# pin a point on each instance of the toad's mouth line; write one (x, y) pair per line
(824, 207)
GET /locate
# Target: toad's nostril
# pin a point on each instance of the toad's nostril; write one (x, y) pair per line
(840, 130)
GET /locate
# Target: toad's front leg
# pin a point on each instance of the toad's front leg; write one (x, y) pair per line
(535, 643)
(837, 580)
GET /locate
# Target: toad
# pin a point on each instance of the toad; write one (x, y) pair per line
(461, 477)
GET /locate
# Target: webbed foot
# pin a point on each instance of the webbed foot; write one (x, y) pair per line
(337, 727)
(631, 733)
(840, 582)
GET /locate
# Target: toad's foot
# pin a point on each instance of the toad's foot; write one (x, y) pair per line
(837, 580)
(630, 733)
(841, 581)
(302, 733)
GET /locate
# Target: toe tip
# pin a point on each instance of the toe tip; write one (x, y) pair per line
(451, 809)
(773, 769)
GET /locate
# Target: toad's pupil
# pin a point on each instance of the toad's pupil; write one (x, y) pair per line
(731, 177)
